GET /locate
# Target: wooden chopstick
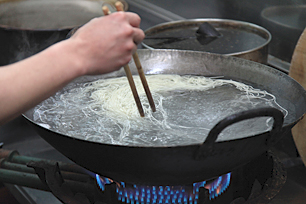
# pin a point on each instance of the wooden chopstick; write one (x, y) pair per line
(129, 76)
(119, 7)
(105, 10)
(134, 90)
(144, 81)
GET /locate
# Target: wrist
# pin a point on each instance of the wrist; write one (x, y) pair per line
(67, 55)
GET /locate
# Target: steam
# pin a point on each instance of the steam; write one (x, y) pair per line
(32, 42)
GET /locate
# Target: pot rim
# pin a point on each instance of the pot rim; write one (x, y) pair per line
(270, 11)
(38, 4)
(265, 33)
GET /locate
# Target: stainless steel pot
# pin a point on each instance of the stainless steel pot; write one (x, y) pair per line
(27, 27)
(286, 24)
(238, 38)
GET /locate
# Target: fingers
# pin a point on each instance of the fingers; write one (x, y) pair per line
(132, 18)
(134, 21)
(138, 36)
(108, 41)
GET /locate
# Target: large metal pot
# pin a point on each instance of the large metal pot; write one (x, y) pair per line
(286, 24)
(191, 163)
(238, 38)
(27, 27)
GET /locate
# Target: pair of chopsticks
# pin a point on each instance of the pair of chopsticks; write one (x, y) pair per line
(119, 7)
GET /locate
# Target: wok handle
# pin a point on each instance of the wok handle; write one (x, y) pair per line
(206, 148)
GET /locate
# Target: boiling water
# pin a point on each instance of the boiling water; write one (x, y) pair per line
(182, 117)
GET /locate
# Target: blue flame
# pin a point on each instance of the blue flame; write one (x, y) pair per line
(102, 181)
(141, 194)
(218, 186)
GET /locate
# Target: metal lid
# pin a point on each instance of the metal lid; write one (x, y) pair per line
(237, 37)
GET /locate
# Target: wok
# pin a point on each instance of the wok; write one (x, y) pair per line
(190, 163)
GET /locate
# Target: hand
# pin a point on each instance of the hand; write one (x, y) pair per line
(102, 45)
(107, 43)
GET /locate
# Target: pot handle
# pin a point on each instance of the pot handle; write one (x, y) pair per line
(206, 148)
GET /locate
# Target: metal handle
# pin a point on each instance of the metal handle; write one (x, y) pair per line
(206, 148)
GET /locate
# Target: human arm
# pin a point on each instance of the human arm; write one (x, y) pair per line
(101, 46)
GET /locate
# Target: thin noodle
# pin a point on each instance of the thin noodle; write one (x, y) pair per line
(112, 100)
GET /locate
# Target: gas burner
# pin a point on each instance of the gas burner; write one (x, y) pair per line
(256, 182)
(143, 194)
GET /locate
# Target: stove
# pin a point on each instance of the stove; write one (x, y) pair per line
(282, 179)
(256, 182)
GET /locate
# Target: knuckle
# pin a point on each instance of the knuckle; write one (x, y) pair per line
(130, 46)
(137, 19)
(142, 34)
(128, 31)
(95, 20)
(120, 15)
